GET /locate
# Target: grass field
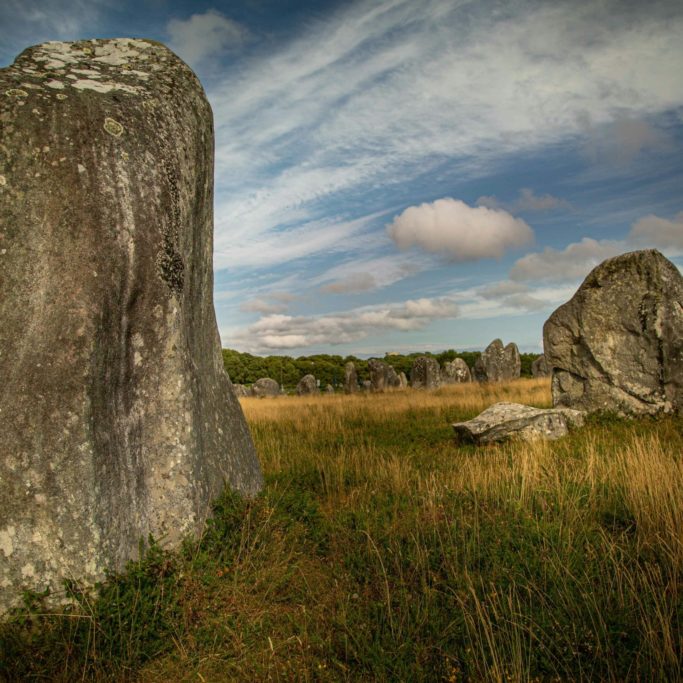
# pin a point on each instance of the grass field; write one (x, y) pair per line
(381, 551)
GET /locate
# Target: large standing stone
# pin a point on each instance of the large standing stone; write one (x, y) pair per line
(617, 345)
(350, 379)
(539, 368)
(456, 372)
(498, 363)
(425, 373)
(513, 421)
(118, 420)
(265, 387)
(307, 385)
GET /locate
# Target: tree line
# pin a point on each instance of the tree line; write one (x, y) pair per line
(244, 368)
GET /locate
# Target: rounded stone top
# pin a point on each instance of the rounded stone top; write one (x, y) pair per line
(126, 66)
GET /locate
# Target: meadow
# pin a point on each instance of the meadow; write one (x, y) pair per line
(380, 551)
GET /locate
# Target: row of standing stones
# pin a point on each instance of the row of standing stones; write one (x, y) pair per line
(497, 363)
(119, 421)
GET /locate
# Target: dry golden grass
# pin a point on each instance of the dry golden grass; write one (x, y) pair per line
(380, 550)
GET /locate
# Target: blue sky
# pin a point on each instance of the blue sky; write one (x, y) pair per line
(415, 175)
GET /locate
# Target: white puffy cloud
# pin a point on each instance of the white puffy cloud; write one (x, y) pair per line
(279, 331)
(573, 262)
(463, 233)
(204, 35)
(662, 233)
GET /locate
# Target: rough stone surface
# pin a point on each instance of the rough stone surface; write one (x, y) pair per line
(505, 421)
(425, 373)
(265, 387)
(498, 363)
(382, 376)
(307, 385)
(456, 372)
(539, 368)
(367, 385)
(241, 391)
(350, 379)
(403, 381)
(617, 345)
(329, 389)
(118, 419)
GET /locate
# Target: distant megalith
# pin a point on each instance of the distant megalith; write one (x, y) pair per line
(350, 379)
(425, 373)
(118, 419)
(455, 372)
(265, 387)
(307, 385)
(617, 344)
(241, 391)
(382, 376)
(539, 367)
(498, 363)
(402, 380)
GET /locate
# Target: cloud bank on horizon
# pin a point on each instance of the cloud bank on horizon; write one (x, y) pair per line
(401, 175)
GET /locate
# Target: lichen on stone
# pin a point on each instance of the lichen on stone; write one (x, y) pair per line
(113, 127)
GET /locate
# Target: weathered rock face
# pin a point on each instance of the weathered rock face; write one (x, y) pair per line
(617, 345)
(425, 373)
(307, 385)
(403, 381)
(539, 368)
(265, 387)
(498, 363)
(382, 376)
(241, 391)
(505, 421)
(350, 379)
(456, 372)
(393, 381)
(118, 419)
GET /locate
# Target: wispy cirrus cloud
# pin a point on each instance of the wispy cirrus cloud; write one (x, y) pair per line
(370, 96)
(527, 201)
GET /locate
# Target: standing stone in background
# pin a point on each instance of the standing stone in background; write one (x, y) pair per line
(498, 363)
(377, 370)
(367, 385)
(539, 368)
(350, 379)
(456, 372)
(403, 381)
(241, 391)
(307, 385)
(425, 373)
(265, 387)
(617, 345)
(329, 389)
(118, 419)
(393, 381)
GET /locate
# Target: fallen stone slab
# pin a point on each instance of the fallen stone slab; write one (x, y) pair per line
(506, 421)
